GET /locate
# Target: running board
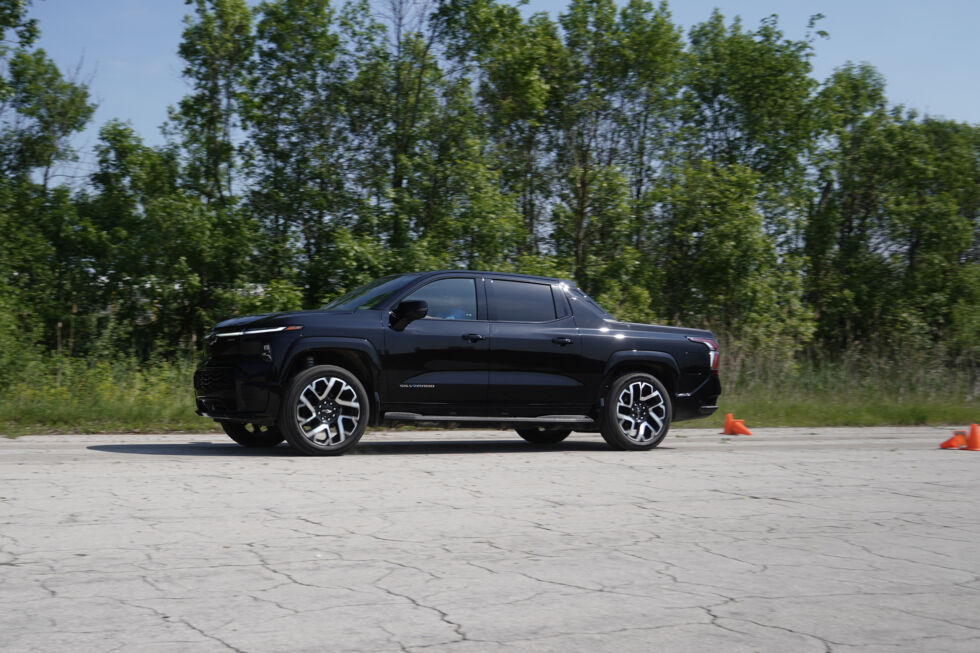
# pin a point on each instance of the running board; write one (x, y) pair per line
(544, 419)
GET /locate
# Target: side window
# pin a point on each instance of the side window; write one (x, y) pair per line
(449, 299)
(522, 301)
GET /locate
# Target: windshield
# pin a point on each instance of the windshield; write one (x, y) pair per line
(370, 295)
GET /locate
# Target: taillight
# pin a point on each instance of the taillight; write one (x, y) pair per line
(712, 346)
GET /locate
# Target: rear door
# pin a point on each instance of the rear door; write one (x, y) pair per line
(535, 350)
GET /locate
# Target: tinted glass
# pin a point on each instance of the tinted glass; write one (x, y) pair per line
(448, 299)
(371, 295)
(518, 301)
(581, 295)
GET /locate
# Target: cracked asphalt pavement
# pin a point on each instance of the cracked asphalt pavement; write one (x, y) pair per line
(787, 540)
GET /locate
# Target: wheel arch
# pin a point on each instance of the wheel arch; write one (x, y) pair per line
(355, 355)
(659, 364)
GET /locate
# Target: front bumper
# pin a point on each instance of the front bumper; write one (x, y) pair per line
(242, 392)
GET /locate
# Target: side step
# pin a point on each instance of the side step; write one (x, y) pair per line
(544, 419)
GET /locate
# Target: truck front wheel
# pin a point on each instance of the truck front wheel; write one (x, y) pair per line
(325, 411)
(252, 435)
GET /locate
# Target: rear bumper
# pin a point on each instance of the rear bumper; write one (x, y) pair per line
(702, 402)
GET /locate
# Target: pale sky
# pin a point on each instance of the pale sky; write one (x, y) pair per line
(928, 52)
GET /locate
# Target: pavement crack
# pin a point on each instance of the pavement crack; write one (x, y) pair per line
(443, 616)
(204, 633)
(715, 618)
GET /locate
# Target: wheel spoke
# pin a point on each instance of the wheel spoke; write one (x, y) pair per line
(306, 403)
(628, 424)
(316, 431)
(656, 418)
(349, 403)
(641, 434)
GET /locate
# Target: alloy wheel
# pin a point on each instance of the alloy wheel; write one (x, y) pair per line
(328, 411)
(641, 412)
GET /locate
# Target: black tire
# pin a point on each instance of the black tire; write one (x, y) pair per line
(543, 435)
(636, 415)
(324, 411)
(252, 435)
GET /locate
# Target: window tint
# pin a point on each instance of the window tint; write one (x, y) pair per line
(519, 301)
(581, 295)
(448, 299)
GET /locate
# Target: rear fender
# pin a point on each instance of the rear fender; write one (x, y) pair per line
(660, 364)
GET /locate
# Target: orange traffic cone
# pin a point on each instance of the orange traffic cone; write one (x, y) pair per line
(729, 423)
(734, 426)
(973, 440)
(958, 440)
(738, 427)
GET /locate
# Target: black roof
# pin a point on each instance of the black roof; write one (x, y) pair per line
(502, 275)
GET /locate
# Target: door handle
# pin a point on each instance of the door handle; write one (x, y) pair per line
(473, 337)
(561, 340)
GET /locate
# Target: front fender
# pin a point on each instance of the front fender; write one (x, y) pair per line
(304, 346)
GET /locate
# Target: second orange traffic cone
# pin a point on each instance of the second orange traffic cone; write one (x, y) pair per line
(973, 440)
(739, 427)
(958, 440)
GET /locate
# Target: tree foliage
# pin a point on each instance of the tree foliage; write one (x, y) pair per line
(703, 178)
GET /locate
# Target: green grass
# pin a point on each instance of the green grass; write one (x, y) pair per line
(841, 410)
(84, 396)
(857, 390)
(72, 396)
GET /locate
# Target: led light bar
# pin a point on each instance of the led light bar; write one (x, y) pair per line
(252, 332)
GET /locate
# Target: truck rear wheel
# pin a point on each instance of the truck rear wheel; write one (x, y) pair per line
(637, 412)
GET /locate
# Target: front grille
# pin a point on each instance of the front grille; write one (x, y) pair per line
(214, 379)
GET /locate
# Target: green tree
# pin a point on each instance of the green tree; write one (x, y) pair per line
(216, 47)
(40, 109)
(516, 64)
(426, 157)
(168, 264)
(747, 97)
(893, 220)
(847, 282)
(591, 218)
(298, 151)
(645, 96)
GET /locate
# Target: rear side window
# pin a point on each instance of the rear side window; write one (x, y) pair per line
(576, 292)
(449, 299)
(521, 301)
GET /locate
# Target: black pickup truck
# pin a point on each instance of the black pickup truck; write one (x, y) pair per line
(460, 346)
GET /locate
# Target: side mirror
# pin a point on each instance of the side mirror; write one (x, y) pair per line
(407, 312)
